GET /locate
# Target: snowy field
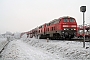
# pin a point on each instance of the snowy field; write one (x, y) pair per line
(18, 50)
(39, 49)
(3, 42)
(67, 49)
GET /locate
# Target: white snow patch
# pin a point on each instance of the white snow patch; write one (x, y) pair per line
(67, 49)
(17, 35)
(1, 36)
(34, 48)
(18, 50)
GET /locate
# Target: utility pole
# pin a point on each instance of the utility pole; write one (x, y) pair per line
(83, 9)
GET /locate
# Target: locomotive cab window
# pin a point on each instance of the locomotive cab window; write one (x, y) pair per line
(66, 20)
(72, 20)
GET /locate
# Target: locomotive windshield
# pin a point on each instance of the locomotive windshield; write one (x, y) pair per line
(66, 20)
(72, 20)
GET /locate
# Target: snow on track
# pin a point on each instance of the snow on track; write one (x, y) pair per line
(18, 50)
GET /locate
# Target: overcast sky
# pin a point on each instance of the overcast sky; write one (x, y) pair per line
(24, 15)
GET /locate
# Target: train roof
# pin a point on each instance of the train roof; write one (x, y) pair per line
(65, 17)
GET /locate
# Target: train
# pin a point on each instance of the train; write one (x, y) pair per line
(62, 28)
(83, 31)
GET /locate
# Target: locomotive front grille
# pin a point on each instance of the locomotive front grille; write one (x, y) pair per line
(69, 32)
(72, 30)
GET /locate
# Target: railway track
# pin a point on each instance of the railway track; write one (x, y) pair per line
(75, 39)
(80, 40)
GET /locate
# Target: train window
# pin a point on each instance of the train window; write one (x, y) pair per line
(48, 29)
(72, 20)
(39, 31)
(66, 20)
(52, 28)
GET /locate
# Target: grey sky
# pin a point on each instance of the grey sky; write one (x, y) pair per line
(24, 15)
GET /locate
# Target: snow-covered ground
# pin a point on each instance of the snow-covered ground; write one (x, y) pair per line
(67, 49)
(40, 49)
(4, 39)
(18, 50)
(3, 42)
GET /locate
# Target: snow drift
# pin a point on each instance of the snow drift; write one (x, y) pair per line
(68, 49)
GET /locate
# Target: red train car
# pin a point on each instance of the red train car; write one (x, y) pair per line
(61, 28)
(80, 33)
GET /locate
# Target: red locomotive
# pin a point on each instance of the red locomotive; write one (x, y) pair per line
(61, 28)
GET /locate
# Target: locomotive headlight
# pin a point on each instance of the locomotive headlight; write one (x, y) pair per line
(74, 29)
(71, 29)
(64, 29)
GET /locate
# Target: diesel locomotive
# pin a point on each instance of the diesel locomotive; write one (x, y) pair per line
(61, 28)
